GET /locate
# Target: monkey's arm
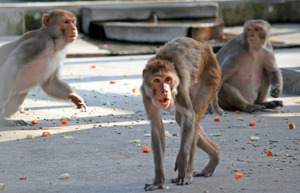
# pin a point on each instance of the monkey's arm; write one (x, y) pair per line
(185, 108)
(59, 89)
(157, 142)
(274, 76)
(8, 75)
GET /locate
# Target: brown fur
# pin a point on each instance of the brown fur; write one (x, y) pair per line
(195, 68)
(248, 71)
(35, 59)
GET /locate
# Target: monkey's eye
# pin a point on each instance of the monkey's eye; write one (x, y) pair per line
(168, 79)
(257, 29)
(156, 80)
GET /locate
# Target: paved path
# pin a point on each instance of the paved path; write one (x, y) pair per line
(95, 149)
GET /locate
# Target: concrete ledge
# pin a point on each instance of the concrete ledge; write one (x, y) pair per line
(291, 79)
(143, 11)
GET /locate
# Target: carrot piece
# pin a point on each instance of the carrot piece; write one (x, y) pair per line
(269, 153)
(112, 82)
(46, 133)
(249, 142)
(134, 90)
(292, 126)
(217, 119)
(64, 121)
(94, 66)
(238, 112)
(252, 123)
(34, 122)
(22, 111)
(146, 150)
(238, 175)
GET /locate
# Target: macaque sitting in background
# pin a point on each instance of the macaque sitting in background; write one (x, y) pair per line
(35, 59)
(184, 73)
(249, 70)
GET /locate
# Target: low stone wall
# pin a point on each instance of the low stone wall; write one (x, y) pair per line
(19, 18)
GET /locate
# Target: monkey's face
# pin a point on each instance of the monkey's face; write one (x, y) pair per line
(69, 29)
(162, 91)
(255, 34)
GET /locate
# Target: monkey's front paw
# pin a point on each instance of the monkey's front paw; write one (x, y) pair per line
(275, 92)
(78, 101)
(151, 187)
(187, 180)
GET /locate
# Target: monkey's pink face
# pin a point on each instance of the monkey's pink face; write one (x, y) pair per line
(69, 29)
(162, 91)
(253, 34)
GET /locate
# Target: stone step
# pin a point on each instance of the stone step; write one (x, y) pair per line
(143, 11)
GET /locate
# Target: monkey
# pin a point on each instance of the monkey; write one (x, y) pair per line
(249, 71)
(35, 59)
(184, 73)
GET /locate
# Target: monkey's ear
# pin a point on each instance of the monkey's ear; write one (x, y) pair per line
(144, 72)
(46, 20)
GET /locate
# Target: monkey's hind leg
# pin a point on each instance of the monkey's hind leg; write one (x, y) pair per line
(212, 149)
(11, 107)
(272, 104)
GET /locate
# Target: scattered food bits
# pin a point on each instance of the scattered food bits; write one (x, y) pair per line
(22, 111)
(134, 90)
(34, 122)
(112, 82)
(269, 153)
(217, 119)
(2, 186)
(175, 134)
(64, 176)
(238, 112)
(292, 126)
(64, 121)
(30, 136)
(147, 135)
(216, 134)
(135, 141)
(104, 45)
(254, 137)
(168, 134)
(23, 178)
(146, 149)
(252, 123)
(240, 118)
(249, 142)
(94, 66)
(238, 175)
(46, 133)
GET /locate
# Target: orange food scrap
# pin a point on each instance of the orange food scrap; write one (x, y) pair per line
(134, 90)
(94, 66)
(252, 123)
(22, 111)
(292, 126)
(112, 82)
(64, 121)
(238, 175)
(269, 153)
(238, 112)
(34, 122)
(249, 142)
(217, 119)
(146, 150)
(46, 133)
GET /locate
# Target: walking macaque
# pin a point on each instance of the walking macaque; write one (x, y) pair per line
(249, 70)
(184, 73)
(35, 59)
